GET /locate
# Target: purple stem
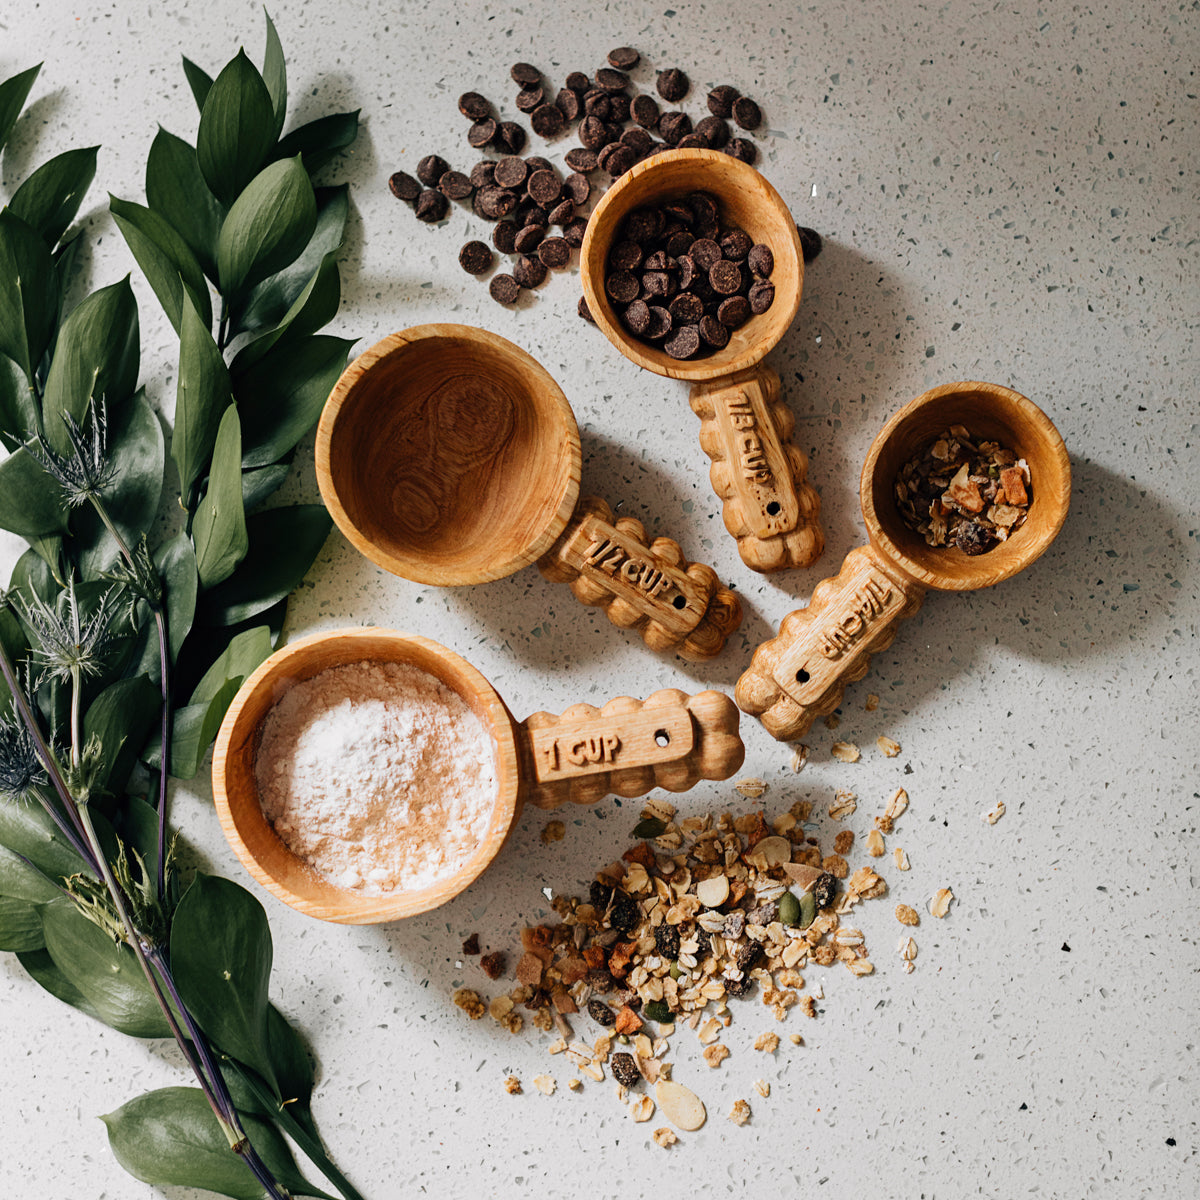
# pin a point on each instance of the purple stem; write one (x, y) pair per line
(164, 753)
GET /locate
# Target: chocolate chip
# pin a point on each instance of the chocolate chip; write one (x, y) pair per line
(735, 245)
(679, 243)
(547, 121)
(657, 283)
(746, 113)
(525, 74)
(555, 252)
(644, 224)
(482, 133)
(529, 98)
(637, 318)
(621, 159)
(529, 272)
(528, 239)
(510, 171)
(483, 173)
(706, 254)
(761, 261)
(606, 153)
(810, 243)
(431, 206)
(672, 85)
(529, 212)
(638, 140)
(713, 131)
(475, 258)
(644, 111)
(584, 311)
(721, 100)
(688, 271)
(569, 104)
(454, 185)
(625, 256)
(577, 187)
(574, 230)
(673, 126)
(686, 309)
(504, 237)
(678, 211)
(657, 260)
(577, 81)
(404, 187)
(618, 107)
(495, 202)
(545, 187)
(762, 296)
(660, 324)
(581, 159)
(624, 57)
(610, 80)
(597, 104)
(562, 212)
(713, 333)
(742, 150)
(622, 286)
(475, 106)
(691, 141)
(726, 278)
(431, 168)
(510, 137)
(535, 162)
(734, 312)
(593, 133)
(683, 343)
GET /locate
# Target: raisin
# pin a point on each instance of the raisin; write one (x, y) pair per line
(973, 539)
(824, 890)
(738, 987)
(666, 941)
(493, 964)
(601, 1013)
(471, 945)
(704, 944)
(747, 956)
(625, 914)
(625, 1069)
(599, 895)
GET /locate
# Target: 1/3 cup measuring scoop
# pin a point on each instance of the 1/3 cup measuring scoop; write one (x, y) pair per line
(669, 740)
(746, 429)
(449, 456)
(802, 673)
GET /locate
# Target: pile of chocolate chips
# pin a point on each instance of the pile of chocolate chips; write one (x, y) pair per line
(677, 277)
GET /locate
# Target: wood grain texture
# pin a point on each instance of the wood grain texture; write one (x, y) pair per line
(802, 673)
(643, 585)
(670, 740)
(758, 471)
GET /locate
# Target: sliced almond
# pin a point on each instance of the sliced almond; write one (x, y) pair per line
(681, 1106)
(773, 851)
(712, 893)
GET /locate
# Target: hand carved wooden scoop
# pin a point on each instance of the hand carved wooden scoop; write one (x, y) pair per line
(448, 456)
(746, 429)
(801, 674)
(670, 740)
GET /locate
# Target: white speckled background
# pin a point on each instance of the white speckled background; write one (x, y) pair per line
(1007, 192)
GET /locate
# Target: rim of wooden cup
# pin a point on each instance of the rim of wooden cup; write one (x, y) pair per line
(235, 790)
(747, 199)
(990, 411)
(377, 476)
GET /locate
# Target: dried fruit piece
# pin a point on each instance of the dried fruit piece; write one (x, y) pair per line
(681, 1106)
(493, 964)
(471, 945)
(625, 1069)
(601, 1013)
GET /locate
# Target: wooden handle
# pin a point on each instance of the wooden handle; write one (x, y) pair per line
(757, 471)
(670, 740)
(647, 586)
(801, 674)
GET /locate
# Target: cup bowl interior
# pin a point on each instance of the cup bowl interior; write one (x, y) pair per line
(991, 412)
(447, 455)
(746, 199)
(235, 790)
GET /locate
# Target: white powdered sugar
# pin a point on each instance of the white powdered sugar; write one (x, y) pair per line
(378, 775)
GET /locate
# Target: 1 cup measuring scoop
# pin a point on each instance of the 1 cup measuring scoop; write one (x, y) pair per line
(669, 740)
(449, 456)
(802, 673)
(746, 428)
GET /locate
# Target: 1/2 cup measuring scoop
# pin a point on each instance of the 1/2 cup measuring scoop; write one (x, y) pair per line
(449, 456)
(669, 740)
(802, 673)
(746, 429)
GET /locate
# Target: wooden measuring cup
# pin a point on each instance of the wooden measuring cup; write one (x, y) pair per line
(746, 429)
(449, 456)
(670, 740)
(802, 673)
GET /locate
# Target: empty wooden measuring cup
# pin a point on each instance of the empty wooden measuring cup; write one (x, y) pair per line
(449, 456)
(802, 673)
(669, 740)
(746, 429)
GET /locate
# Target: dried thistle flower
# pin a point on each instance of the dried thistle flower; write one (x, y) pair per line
(84, 472)
(20, 768)
(66, 639)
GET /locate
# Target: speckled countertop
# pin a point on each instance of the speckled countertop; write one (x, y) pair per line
(1007, 192)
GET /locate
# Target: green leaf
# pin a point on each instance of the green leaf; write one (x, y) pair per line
(239, 659)
(171, 1137)
(49, 199)
(201, 397)
(268, 226)
(316, 306)
(96, 354)
(192, 732)
(176, 190)
(221, 959)
(199, 80)
(290, 1057)
(219, 530)
(321, 140)
(25, 829)
(29, 297)
(166, 259)
(281, 397)
(283, 544)
(237, 129)
(176, 564)
(31, 502)
(41, 969)
(13, 94)
(65, 258)
(121, 717)
(108, 975)
(269, 302)
(262, 482)
(20, 925)
(20, 881)
(274, 74)
(19, 413)
(136, 448)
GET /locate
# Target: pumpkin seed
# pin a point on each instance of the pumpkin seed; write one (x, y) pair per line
(789, 908)
(808, 910)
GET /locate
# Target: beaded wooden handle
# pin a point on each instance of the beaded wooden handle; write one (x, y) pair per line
(801, 674)
(642, 585)
(757, 471)
(669, 740)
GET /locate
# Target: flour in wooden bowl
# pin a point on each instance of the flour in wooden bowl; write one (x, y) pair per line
(377, 775)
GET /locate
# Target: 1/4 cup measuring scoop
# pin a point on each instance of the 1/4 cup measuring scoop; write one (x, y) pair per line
(802, 673)
(449, 456)
(669, 740)
(746, 429)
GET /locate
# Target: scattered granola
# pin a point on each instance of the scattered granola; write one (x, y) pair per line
(846, 752)
(555, 831)
(832, 721)
(752, 789)
(796, 1039)
(896, 807)
(545, 1084)
(900, 858)
(470, 1002)
(939, 905)
(470, 946)
(907, 915)
(889, 747)
(642, 1109)
(908, 951)
(575, 1084)
(844, 842)
(844, 803)
(664, 1137)
(957, 490)
(512, 1085)
(800, 758)
(762, 1087)
(872, 702)
(716, 1054)
(493, 963)
(740, 1113)
(875, 846)
(995, 812)
(767, 1042)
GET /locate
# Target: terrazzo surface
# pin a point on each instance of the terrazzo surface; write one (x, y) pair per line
(1008, 193)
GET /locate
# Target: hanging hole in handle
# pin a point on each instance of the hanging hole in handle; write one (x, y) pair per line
(680, 601)
(774, 508)
(662, 737)
(802, 676)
